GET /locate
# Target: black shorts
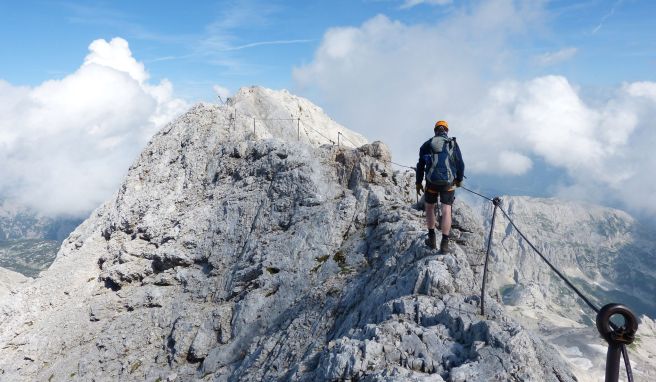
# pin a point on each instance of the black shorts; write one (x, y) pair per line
(447, 194)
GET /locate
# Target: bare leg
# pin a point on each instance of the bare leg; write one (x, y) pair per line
(430, 216)
(446, 219)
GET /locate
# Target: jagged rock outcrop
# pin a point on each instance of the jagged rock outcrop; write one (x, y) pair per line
(230, 255)
(9, 282)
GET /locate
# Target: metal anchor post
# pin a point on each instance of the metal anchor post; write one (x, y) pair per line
(617, 337)
(497, 203)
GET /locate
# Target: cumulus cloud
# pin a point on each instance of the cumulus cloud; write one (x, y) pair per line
(392, 81)
(514, 163)
(548, 118)
(604, 148)
(553, 58)
(66, 144)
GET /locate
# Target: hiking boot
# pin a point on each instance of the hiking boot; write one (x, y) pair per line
(444, 245)
(431, 242)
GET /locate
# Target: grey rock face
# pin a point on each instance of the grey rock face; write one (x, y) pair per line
(9, 282)
(227, 256)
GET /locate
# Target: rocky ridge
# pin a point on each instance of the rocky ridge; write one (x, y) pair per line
(233, 255)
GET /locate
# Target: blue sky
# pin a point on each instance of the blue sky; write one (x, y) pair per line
(548, 98)
(199, 44)
(195, 45)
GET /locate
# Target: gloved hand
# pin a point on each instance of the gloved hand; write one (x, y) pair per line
(458, 183)
(420, 188)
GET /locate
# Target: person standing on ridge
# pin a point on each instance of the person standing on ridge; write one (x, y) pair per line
(441, 161)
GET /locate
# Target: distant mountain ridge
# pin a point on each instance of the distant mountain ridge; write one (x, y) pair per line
(20, 223)
(604, 250)
(29, 241)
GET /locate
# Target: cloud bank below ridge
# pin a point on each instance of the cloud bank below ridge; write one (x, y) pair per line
(66, 144)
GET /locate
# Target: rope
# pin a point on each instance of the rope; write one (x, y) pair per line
(273, 119)
(476, 193)
(389, 161)
(565, 279)
(496, 201)
(233, 119)
(345, 137)
(318, 132)
(401, 165)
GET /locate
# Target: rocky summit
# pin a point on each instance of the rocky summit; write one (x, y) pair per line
(243, 245)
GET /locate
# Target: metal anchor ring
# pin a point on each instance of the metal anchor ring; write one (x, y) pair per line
(610, 332)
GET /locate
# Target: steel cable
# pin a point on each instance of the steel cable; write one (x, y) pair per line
(625, 354)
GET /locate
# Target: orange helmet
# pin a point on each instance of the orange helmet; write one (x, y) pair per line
(443, 124)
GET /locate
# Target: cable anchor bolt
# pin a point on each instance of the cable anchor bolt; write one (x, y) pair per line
(617, 337)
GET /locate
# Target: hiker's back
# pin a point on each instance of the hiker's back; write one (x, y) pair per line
(440, 162)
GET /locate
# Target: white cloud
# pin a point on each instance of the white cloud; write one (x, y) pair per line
(221, 91)
(116, 54)
(547, 117)
(642, 89)
(392, 81)
(514, 163)
(65, 145)
(553, 58)
(412, 3)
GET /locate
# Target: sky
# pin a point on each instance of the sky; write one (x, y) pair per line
(546, 98)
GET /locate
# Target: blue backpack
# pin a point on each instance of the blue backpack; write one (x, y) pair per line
(440, 166)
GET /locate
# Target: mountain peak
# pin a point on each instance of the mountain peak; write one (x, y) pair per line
(259, 113)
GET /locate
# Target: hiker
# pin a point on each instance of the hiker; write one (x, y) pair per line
(440, 159)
